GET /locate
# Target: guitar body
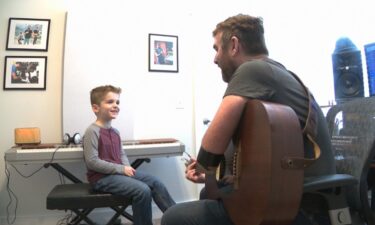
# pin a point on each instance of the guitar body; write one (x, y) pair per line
(266, 193)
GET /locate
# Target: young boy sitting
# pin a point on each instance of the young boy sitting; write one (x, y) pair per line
(108, 167)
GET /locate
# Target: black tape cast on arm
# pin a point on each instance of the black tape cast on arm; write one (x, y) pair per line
(208, 159)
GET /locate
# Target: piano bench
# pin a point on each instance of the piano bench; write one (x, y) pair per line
(82, 199)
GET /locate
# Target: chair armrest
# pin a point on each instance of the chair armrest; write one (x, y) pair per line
(316, 183)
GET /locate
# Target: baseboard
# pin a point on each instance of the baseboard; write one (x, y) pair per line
(53, 216)
(100, 215)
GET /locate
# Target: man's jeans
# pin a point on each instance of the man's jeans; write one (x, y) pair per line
(201, 212)
(209, 212)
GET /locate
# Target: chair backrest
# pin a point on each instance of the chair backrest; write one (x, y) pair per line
(352, 128)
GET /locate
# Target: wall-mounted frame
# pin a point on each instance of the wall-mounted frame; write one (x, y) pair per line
(163, 53)
(25, 73)
(28, 34)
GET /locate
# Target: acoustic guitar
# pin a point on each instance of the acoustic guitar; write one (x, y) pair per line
(268, 185)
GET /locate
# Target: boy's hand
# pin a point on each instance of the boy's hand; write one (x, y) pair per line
(129, 171)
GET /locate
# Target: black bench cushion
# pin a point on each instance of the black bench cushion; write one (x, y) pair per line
(82, 196)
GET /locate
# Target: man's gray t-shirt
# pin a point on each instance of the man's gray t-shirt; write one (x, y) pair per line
(270, 81)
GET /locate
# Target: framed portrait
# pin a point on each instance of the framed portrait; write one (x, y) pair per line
(28, 34)
(163, 53)
(25, 72)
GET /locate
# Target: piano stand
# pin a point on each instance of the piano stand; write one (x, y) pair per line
(79, 196)
(64, 172)
(139, 162)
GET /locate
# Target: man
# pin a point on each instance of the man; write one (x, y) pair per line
(242, 56)
(17, 74)
(28, 32)
(35, 35)
(159, 54)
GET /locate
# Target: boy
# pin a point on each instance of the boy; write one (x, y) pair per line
(108, 167)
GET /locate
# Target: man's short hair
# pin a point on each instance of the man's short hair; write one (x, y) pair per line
(97, 94)
(248, 29)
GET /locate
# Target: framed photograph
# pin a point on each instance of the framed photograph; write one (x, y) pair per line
(25, 73)
(28, 34)
(163, 53)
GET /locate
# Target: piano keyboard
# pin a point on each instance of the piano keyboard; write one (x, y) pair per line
(60, 149)
(74, 153)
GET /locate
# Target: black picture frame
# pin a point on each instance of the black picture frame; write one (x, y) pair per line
(25, 73)
(28, 34)
(163, 53)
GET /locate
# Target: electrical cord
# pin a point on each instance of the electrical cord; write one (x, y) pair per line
(61, 178)
(66, 219)
(37, 170)
(12, 195)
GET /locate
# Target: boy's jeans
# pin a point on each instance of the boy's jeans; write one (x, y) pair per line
(141, 188)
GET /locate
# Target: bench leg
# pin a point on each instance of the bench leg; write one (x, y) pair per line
(78, 218)
(120, 211)
(81, 215)
(127, 216)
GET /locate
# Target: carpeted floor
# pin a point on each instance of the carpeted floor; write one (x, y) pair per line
(156, 222)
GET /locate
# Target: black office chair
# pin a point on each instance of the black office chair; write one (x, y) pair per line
(324, 198)
(352, 127)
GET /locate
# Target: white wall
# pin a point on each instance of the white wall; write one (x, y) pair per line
(114, 50)
(31, 108)
(299, 34)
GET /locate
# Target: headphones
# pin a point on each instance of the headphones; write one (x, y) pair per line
(76, 139)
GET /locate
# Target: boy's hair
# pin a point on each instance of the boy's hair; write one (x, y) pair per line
(97, 94)
(248, 29)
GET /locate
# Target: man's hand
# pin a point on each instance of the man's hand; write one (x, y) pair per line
(192, 174)
(129, 171)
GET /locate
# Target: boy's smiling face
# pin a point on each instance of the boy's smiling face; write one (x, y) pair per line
(109, 107)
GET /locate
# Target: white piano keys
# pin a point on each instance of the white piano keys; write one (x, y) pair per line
(41, 150)
(74, 153)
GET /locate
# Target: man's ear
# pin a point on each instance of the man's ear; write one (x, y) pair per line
(235, 45)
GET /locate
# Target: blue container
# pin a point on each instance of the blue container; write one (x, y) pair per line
(370, 62)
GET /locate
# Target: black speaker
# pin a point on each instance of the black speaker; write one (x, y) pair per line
(348, 75)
